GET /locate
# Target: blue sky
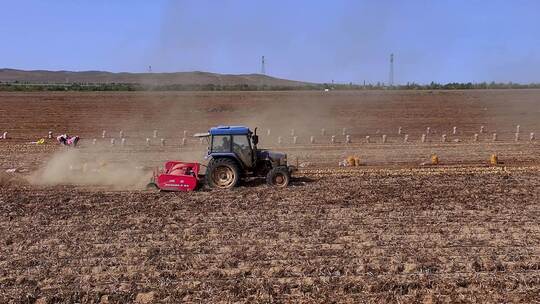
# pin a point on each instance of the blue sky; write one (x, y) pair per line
(347, 41)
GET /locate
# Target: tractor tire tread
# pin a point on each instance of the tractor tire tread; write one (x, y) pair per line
(278, 170)
(216, 162)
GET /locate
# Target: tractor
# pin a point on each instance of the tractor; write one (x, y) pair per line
(232, 156)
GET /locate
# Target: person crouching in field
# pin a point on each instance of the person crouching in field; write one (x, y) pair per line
(66, 140)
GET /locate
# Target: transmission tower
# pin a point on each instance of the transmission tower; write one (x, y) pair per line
(391, 76)
(263, 68)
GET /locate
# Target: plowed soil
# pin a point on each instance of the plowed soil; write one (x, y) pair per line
(391, 230)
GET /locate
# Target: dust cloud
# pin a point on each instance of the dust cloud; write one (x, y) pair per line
(89, 169)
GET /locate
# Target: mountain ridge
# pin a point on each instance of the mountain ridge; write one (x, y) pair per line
(171, 78)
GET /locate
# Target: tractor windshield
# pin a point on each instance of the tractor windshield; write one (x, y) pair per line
(221, 143)
(240, 145)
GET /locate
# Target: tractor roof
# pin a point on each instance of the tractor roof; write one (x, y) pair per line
(229, 130)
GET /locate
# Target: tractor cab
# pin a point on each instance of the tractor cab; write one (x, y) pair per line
(237, 142)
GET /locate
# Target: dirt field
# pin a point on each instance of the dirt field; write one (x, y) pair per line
(391, 230)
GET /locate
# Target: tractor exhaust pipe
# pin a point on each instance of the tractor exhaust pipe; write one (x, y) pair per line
(255, 139)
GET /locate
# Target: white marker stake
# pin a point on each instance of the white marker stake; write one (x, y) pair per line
(517, 128)
(155, 133)
(295, 139)
(423, 139)
(112, 141)
(312, 139)
(399, 130)
(427, 130)
(103, 134)
(531, 137)
(494, 136)
(333, 139)
(121, 134)
(147, 142)
(443, 138)
(482, 129)
(162, 142)
(94, 141)
(268, 132)
(406, 138)
(475, 139)
(50, 135)
(183, 141)
(454, 130)
(384, 138)
(123, 142)
(348, 139)
(185, 133)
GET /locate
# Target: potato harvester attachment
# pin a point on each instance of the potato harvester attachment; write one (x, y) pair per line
(176, 176)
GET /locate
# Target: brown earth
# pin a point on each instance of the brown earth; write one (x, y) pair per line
(390, 231)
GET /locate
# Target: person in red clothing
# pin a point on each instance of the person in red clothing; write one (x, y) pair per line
(66, 140)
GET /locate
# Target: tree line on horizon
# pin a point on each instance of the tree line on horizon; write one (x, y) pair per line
(29, 87)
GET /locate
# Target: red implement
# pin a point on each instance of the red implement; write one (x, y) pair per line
(178, 176)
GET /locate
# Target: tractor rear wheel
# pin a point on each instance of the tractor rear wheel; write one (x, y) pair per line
(278, 177)
(222, 173)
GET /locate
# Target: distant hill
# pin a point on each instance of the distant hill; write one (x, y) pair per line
(179, 78)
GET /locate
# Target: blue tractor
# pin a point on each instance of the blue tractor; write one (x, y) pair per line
(233, 155)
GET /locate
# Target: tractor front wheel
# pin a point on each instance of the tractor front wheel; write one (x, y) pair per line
(278, 177)
(222, 173)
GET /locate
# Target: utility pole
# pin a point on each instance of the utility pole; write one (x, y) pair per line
(391, 76)
(263, 68)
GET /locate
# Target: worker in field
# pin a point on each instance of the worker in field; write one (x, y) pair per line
(66, 140)
(226, 146)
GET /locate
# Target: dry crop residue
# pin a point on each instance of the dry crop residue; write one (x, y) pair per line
(367, 237)
(388, 231)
